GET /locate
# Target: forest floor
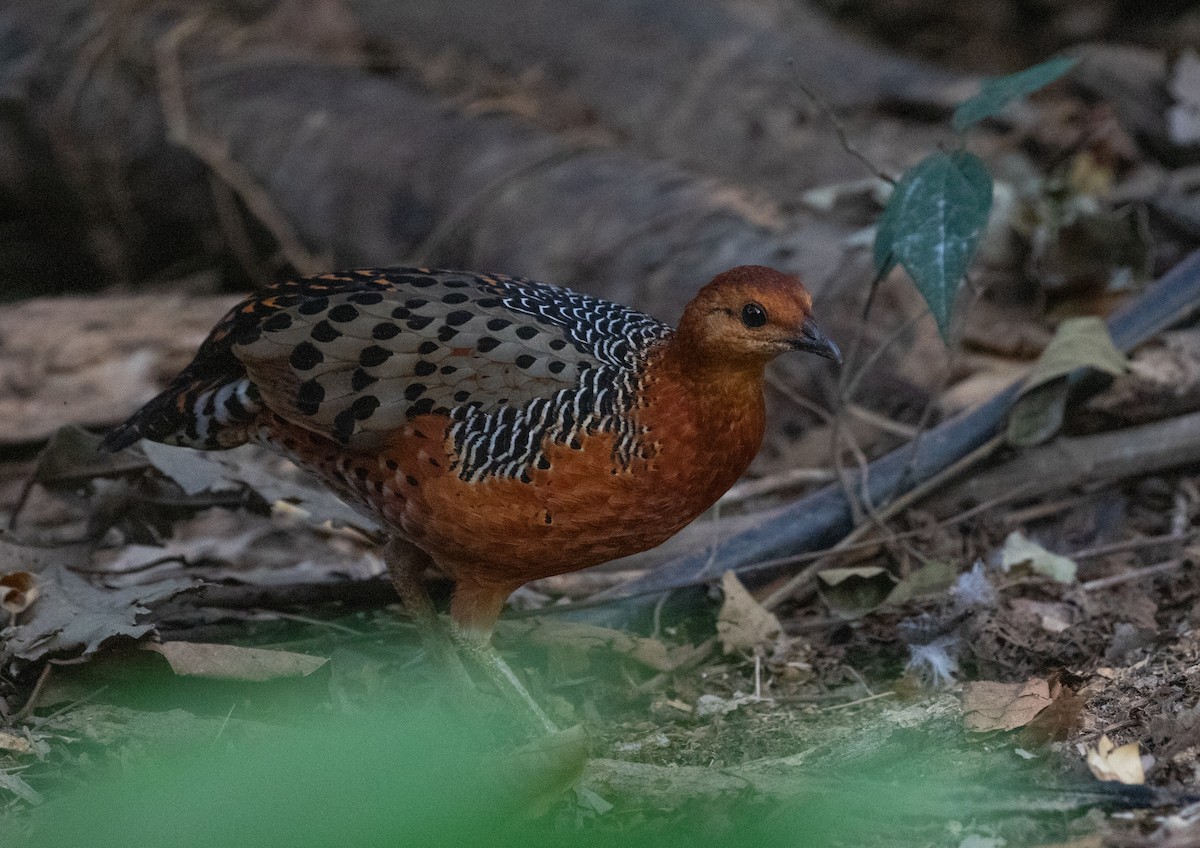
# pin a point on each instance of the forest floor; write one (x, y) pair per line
(1011, 659)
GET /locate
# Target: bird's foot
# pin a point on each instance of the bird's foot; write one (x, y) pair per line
(478, 647)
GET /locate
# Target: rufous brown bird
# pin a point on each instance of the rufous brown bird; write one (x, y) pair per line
(508, 429)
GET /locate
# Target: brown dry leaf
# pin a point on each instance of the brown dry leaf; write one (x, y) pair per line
(743, 624)
(988, 705)
(1123, 764)
(15, 744)
(1163, 381)
(18, 590)
(233, 662)
(1059, 720)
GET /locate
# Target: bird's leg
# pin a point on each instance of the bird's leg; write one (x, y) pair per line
(478, 646)
(474, 609)
(405, 563)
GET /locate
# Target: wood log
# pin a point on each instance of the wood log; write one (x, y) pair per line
(712, 84)
(158, 115)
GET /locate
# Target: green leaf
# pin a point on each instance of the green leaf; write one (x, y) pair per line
(853, 592)
(1038, 414)
(932, 225)
(995, 94)
(932, 579)
(1079, 343)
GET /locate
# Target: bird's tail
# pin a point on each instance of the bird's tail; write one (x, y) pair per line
(208, 413)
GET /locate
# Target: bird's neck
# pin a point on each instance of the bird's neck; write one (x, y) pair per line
(720, 399)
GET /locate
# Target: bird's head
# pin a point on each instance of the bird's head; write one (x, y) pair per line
(751, 314)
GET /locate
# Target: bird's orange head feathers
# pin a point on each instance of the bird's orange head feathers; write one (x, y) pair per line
(751, 314)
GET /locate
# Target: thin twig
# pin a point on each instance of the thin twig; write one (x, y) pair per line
(317, 622)
(865, 700)
(224, 723)
(800, 400)
(838, 127)
(851, 387)
(1130, 576)
(880, 422)
(1134, 544)
(774, 483)
(32, 700)
(861, 682)
(954, 347)
(76, 703)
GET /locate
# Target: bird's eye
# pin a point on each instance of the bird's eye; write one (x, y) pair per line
(754, 315)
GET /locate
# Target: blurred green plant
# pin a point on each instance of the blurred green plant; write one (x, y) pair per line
(433, 778)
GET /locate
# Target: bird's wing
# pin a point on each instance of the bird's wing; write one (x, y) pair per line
(353, 356)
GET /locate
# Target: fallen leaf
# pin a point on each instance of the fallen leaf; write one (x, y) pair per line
(1019, 550)
(234, 662)
(20, 788)
(743, 624)
(273, 478)
(75, 617)
(16, 744)
(1123, 764)
(932, 579)
(22, 556)
(190, 469)
(1078, 343)
(988, 705)
(18, 590)
(1059, 720)
(276, 479)
(72, 458)
(854, 592)
(825, 198)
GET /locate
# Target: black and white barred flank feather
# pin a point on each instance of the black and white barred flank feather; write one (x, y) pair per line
(516, 365)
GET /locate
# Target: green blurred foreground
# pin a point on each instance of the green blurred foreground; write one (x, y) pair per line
(429, 779)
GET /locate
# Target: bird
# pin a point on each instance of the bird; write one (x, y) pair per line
(499, 428)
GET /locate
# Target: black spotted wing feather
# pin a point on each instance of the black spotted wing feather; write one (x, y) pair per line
(512, 362)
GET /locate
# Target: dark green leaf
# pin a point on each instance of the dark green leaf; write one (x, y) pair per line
(995, 94)
(932, 225)
(1079, 343)
(853, 592)
(1038, 414)
(931, 579)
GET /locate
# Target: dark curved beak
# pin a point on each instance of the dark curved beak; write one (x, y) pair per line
(814, 341)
